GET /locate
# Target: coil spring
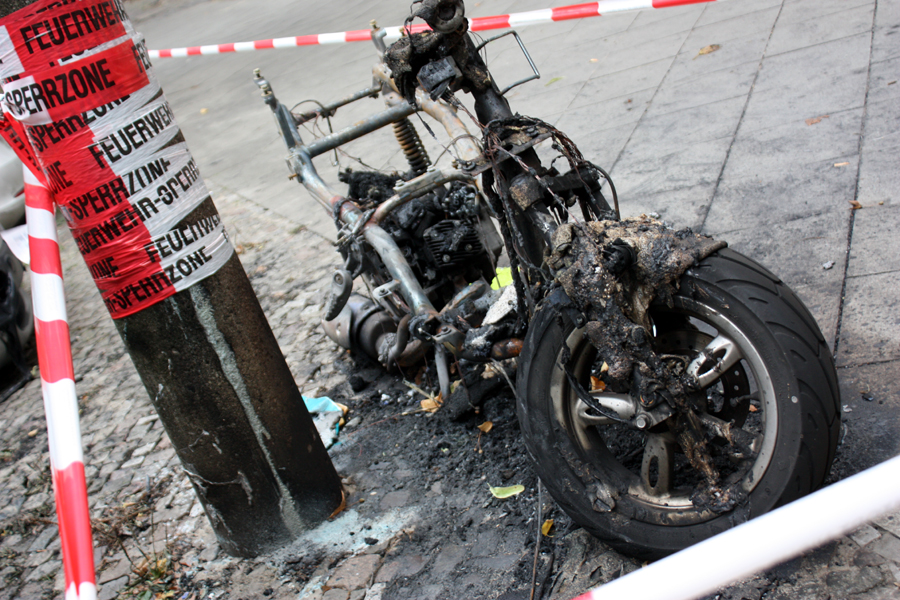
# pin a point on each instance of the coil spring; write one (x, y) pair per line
(412, 147)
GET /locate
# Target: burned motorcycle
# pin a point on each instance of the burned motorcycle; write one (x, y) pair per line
(668, 388)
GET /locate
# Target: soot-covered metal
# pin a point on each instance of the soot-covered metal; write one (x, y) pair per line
(436, 59)
(613, 271)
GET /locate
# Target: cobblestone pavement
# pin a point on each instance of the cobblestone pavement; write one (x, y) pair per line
(132, 468)
(764, 142)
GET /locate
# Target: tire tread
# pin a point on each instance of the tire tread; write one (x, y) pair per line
(789, 320)
(791, 329)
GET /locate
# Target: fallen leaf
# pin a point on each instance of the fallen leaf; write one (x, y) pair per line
(604, 369)
(546, 527)
(753, 408)
(552, 81)
(486, 426)
(203, 111)
(854, 205)
(32, 433)
(597, 384)
(815, 120)
(843, 164)
(598, 60)
(506, 492)
(430, 405)
(708, 50)
(141, 569)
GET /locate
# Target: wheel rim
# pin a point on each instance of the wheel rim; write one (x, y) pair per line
(650, 465)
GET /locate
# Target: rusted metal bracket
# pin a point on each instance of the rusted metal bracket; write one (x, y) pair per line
(482, 163)
(535, 73)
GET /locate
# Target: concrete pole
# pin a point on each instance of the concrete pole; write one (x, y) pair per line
(228, 401)
(223, 391)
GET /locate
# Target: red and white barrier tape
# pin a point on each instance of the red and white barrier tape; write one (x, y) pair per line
(83, 100)
(547, 15)
(58, 385)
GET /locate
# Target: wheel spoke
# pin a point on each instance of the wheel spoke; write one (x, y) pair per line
(658, 468)
(719, 355)
(588, 417)
(620, 405)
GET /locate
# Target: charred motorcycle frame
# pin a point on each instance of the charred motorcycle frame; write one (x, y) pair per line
(654, 411)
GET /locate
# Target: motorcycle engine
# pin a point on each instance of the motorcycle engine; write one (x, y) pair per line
(451, 244)
(444, 235)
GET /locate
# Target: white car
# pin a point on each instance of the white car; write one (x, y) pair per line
(16, 314)
(12, 188)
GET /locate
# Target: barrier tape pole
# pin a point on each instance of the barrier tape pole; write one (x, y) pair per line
(546, 15)
(51, 329)
(86, 110)
(763, 542)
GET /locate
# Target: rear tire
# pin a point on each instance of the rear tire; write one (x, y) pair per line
(783, 390)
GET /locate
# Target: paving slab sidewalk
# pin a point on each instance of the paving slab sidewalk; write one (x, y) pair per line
(785, 141)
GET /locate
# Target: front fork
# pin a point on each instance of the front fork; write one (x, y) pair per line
(535, 230)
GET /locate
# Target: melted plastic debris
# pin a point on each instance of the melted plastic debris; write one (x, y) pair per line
(368, 185)
(503, 307)
(612, 271)
(585, 258)
(410, 54)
